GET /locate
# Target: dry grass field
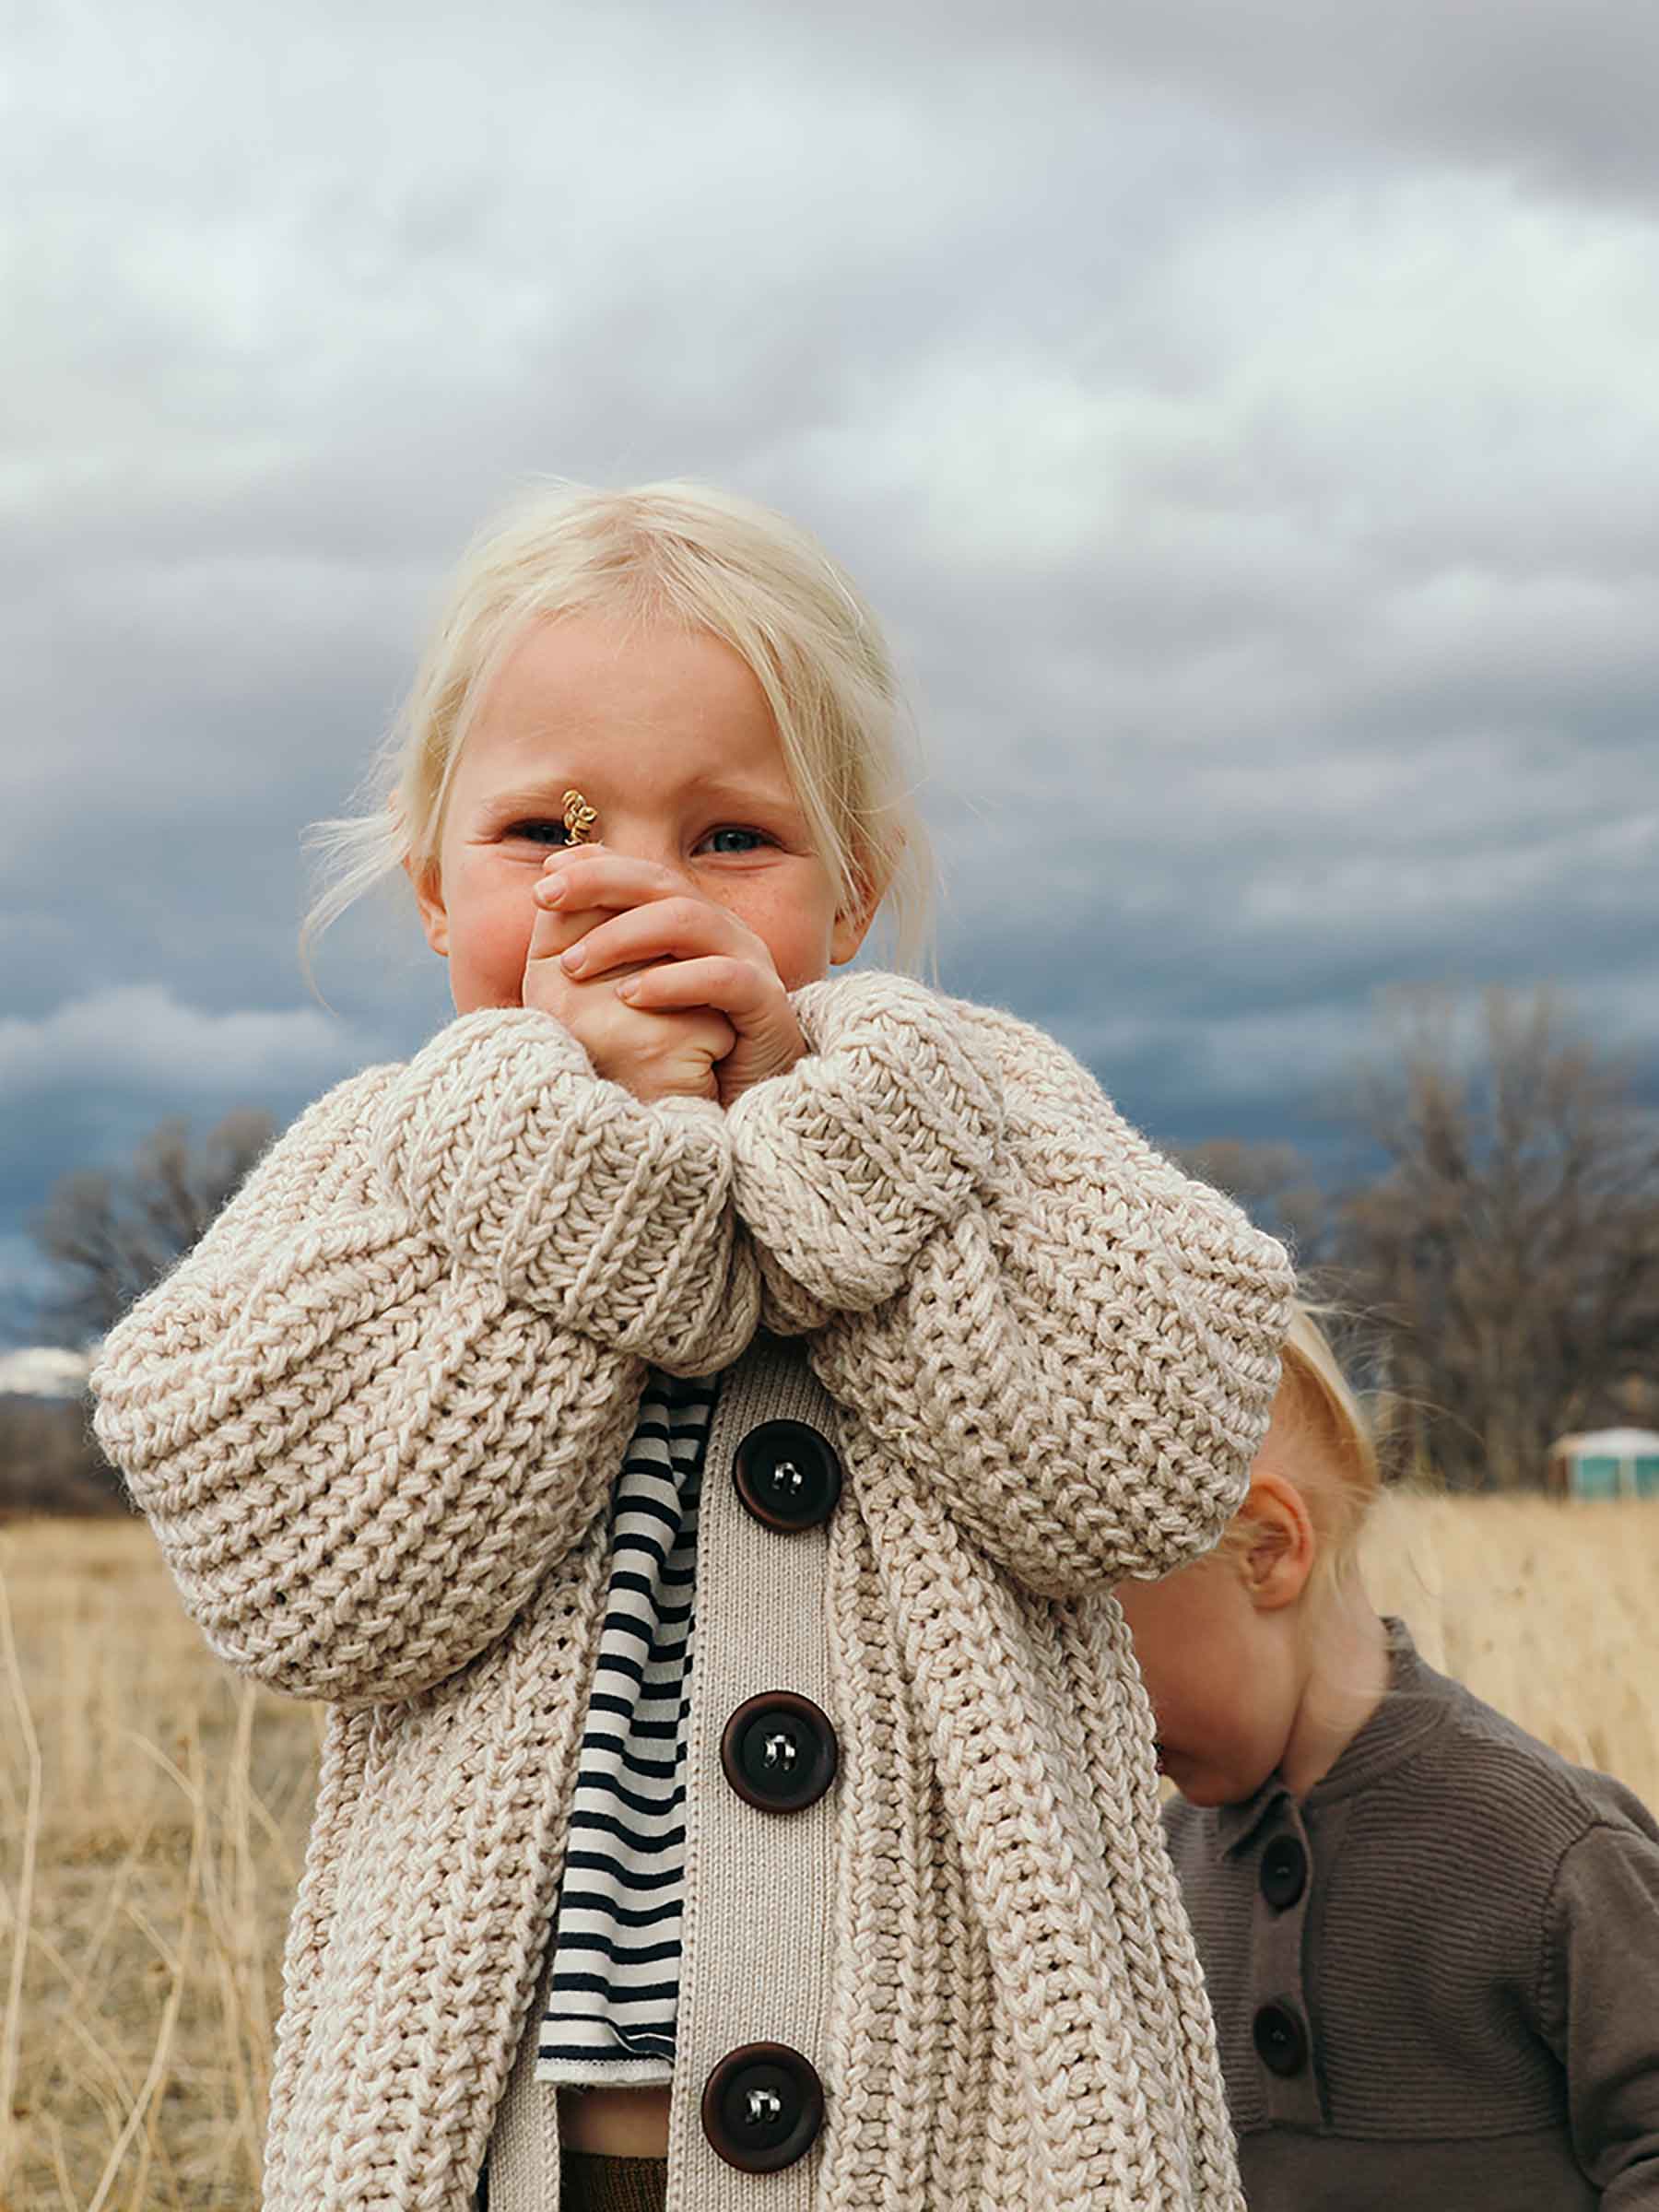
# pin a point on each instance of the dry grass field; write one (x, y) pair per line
(153, 1812)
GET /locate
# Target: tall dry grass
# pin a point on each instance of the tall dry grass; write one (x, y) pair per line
(1545, 1610)
(153, 1810)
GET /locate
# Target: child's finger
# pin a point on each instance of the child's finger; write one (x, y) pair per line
(554, 929)
(767, 1039)
(653, 1055)
(588, 876)
(731, 986)
(680, 928)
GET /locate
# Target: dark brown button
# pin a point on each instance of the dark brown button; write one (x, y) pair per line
(762, 2107)
(787, 1476)
(1283, 1874)
(779, 1751)
(1281, 2041)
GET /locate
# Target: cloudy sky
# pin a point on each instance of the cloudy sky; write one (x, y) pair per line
(1245, 414)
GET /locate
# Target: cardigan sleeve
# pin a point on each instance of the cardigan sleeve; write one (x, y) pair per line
(386, 1391)
(1598, 2010)
(1073, 1342)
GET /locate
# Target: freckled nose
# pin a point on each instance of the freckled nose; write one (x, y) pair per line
(639, 843)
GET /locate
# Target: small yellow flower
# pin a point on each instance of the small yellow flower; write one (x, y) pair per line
(579, 818)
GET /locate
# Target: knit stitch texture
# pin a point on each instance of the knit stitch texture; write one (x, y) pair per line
(374, 1418)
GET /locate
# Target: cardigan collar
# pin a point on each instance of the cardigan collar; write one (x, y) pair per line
(1412, 1709)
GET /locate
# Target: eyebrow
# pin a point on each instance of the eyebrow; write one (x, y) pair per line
(540, 798)
(714, 791)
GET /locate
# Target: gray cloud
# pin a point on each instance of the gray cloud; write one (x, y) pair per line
(1248, 432)
(1554, 92)
(144, 1039)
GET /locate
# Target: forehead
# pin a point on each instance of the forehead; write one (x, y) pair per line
(587, 680)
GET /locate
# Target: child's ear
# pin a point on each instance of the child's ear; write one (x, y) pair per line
(1278, 1558)
(429, 898)
(853, 923)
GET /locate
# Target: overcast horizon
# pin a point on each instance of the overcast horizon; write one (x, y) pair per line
(1246, 426)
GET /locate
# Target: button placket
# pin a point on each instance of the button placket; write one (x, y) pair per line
(763, 1758)
(1281, 2030)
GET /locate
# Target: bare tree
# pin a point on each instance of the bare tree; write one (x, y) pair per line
(1275, 1186)
(111, 1233)
(50, 1462)
(1510, 1247)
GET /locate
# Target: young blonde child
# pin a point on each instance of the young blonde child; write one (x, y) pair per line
(1431, 1945)
(685, 1424)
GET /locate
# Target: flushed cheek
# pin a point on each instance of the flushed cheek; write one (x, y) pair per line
(503, 923)
(799, 945)
(489, 950)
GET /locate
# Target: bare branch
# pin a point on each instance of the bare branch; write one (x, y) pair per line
(1510, 1247)
(110, 1233)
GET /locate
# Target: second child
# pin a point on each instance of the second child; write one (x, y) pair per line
(1431, 1944)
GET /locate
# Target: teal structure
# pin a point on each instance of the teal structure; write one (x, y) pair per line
(1610, 1462)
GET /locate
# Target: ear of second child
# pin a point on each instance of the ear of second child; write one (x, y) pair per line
(1262, 1657)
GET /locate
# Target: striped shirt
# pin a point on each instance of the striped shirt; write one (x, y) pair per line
(615, 1989)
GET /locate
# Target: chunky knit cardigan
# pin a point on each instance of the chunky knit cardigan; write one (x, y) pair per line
(375, 1417)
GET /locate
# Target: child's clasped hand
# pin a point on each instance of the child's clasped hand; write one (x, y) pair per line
(668, 993)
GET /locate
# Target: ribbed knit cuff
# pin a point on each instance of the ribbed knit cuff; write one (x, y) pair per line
(844, 1167)
(610, 1216)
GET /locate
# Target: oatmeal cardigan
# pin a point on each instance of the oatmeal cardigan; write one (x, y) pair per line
(376, 1416)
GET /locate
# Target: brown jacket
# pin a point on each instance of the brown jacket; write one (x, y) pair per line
(1454, 1940)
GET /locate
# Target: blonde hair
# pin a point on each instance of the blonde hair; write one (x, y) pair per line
(1342, 1482)
(1325, 1399)
(704, 559)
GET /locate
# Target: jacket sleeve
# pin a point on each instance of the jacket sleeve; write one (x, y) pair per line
(1599, 2009)
(387, 1390)
(1074, 1342)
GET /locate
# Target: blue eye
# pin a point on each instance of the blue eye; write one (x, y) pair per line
(750, 841)
(541, 833)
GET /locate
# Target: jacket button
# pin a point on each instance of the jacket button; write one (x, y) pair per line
(762, 2107)
(1281, 2041)
(1283, 1874)
(787, 1476)
(779, 1751)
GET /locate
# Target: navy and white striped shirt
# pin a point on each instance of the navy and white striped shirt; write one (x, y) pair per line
(615, 1989)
